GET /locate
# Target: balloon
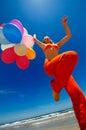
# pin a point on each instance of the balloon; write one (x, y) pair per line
(18, 24)
(22, 62)
(2, 25)
(3, 40)
(12, 33)
(25, 31)
(8, 56)
(31, 54)
(20, 49)
(5, 46)
(28, 41)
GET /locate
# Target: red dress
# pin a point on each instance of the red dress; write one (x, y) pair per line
(61, 67)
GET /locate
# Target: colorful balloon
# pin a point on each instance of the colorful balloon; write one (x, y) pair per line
(28, 41)
(25, 31)
(8, 56)
(22, 62)
(31, 54)
(18, 24)
(5, 46)
(12, 33)
(20, 49)
(3, 40)
(2, 25)
(16, 44)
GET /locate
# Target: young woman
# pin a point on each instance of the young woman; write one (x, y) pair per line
(61, 67)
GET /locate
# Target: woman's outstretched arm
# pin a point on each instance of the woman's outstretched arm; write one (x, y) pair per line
(67, 30)
(40, 44)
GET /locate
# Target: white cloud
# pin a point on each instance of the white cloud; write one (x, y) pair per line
(21, 95)
(5, 92)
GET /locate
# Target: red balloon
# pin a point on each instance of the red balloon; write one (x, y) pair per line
(8, 55)
(2, 25)
(22, 62)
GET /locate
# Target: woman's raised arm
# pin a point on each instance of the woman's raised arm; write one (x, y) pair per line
(67, 30)
(40, 44)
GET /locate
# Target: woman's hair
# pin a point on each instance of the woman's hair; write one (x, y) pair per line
(48, 38)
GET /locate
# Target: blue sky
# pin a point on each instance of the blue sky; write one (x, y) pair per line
(28, 93)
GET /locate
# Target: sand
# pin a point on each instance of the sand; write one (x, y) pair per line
(62, 121)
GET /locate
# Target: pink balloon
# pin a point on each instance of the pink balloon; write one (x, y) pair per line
(28, 41)
(2, 25)
(18, 24)
(25, 31)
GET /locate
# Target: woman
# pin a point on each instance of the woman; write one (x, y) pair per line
(61, 67)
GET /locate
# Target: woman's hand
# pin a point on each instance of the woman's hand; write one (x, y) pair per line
(34, 36)
(64, 20)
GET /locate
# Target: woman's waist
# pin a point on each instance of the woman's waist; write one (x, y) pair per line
(50, 57)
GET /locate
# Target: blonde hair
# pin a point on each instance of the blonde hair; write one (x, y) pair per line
(45, 38)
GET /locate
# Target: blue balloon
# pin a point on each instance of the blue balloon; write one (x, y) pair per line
(12, 33)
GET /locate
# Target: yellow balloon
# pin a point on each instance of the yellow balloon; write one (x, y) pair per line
(31, 54)
(20, 49)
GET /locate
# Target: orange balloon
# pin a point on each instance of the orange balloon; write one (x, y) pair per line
(31, 54)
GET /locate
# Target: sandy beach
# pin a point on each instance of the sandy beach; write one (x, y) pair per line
(55, 121)
(66, 121)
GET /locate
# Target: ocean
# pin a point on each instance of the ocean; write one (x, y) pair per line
(62, 120)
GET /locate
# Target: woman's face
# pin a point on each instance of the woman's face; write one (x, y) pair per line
(47, 40)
